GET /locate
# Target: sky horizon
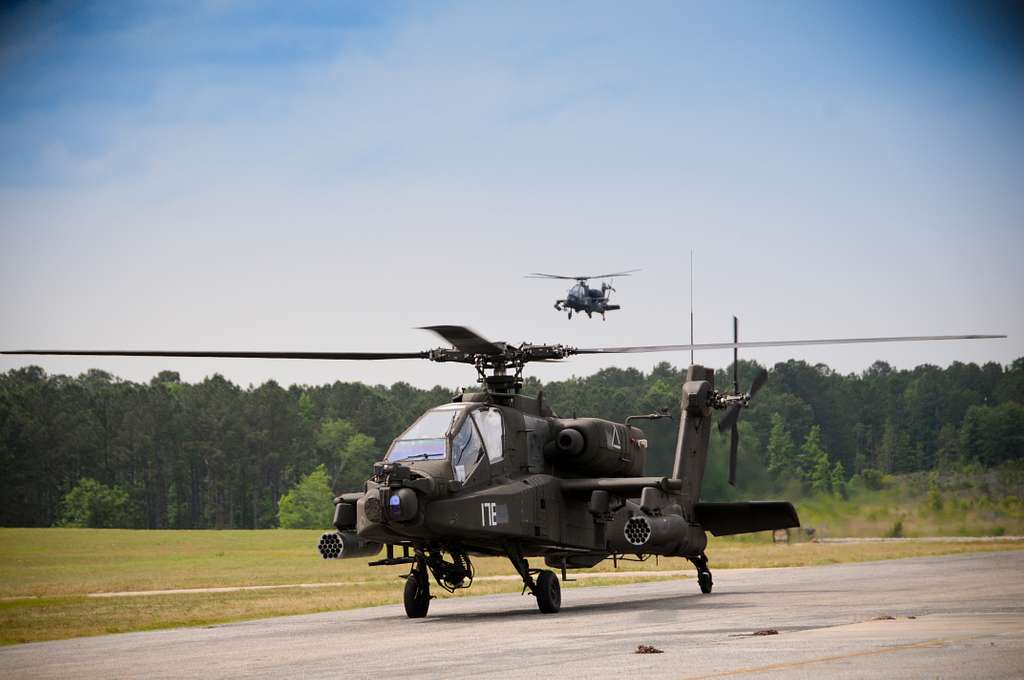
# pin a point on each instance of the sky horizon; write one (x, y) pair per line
(246, 176)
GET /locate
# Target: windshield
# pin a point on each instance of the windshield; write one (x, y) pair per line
(425, 440)
(466, 450)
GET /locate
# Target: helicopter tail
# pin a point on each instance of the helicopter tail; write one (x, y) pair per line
(694, 431)
(721, 519)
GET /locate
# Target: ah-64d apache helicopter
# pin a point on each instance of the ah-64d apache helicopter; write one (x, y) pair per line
(499, 473)
(583, 298)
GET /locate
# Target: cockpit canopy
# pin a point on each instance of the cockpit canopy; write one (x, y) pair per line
(444, 428)
(426, 439)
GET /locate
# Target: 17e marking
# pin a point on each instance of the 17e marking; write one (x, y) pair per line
(489, 514)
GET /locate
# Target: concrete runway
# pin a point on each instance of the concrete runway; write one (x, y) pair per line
(968, 622)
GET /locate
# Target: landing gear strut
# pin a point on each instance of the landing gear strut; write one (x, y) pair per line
(545, 588)
(703, 573)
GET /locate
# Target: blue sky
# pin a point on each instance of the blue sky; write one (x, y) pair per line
(250, 175)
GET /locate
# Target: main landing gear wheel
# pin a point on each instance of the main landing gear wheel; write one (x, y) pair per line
(548, 593)
(570, 315)
(417, 594)
(704, 581)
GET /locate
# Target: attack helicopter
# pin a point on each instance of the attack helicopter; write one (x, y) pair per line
(583, 298)
(498, 473)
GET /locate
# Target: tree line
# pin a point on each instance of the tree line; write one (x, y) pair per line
(169, 454)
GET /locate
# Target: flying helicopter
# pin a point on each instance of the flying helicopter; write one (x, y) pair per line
(499, 473)
(583, 298)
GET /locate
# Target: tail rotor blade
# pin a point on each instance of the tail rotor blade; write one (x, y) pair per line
(729, 418)
(735, 356)
(759, 380)
(734, 443)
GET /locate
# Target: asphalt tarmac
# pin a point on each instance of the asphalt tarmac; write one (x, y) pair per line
(955, 616)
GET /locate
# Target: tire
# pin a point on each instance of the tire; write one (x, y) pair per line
(704, 581)
(417, 596)
(549, 593)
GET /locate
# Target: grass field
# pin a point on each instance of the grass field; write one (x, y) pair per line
(46, 575)
(963, 502)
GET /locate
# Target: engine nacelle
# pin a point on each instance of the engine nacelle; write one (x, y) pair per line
(591, 447)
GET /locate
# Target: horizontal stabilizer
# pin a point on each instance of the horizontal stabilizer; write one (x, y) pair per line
(745, 517)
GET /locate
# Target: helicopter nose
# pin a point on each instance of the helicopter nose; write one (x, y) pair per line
(373, 509)
(402, 505)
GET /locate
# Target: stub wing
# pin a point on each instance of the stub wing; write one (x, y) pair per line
(621, 486)
(745, 517)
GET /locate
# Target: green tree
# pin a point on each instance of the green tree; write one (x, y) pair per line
(334, 435)
(814, 463)
(306, 407)
(872, 479)
(348, 453)
(839, 480)
(948, 453)
(96, 505)
(811, 452)
(992, 435)
(309, 504)
(357, 461)
(821, 475)
(782, 459)
(895, 453)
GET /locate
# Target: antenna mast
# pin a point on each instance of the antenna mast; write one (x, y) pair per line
(691, 306)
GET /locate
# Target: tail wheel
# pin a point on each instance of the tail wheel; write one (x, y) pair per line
(704, 581)
(417, 595)
(548, 592)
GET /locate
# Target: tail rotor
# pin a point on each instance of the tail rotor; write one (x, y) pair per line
(735, 402)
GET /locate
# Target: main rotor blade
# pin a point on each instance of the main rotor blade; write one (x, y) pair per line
(541, 275)
(775, 343)
(325, 356)
(538, 275)
(608, 276)
(463, 339)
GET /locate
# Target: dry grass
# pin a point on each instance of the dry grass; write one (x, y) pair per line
(45, 574)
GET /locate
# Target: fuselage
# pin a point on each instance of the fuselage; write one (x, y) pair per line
(485, 473)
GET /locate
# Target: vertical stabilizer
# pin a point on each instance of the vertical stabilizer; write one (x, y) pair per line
(694, 432)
